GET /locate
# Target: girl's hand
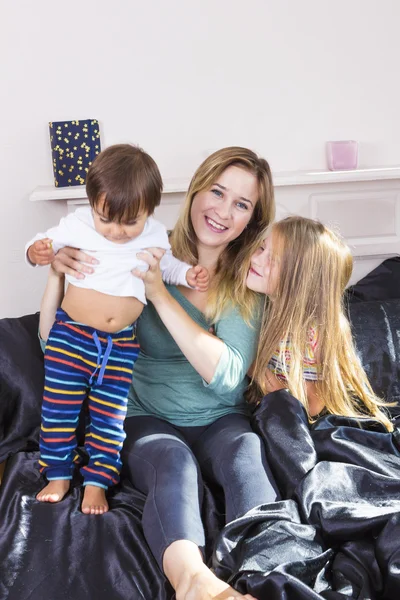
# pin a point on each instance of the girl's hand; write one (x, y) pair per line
(151, 278)
(70, 261)
(273, 383)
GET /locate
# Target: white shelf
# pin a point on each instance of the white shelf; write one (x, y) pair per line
(281, 179)
(78, 192)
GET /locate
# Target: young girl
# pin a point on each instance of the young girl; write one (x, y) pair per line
(305, 342)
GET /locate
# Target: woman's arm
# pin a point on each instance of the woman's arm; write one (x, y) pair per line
(202, 349)
(52, 298)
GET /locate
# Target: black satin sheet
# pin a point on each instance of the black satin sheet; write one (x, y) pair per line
(337, 533)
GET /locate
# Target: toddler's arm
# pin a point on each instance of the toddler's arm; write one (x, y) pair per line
(174, 271)
(38, 251)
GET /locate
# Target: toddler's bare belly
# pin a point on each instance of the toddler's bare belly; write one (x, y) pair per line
(101, 311)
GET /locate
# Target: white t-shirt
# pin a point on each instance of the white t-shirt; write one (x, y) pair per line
(113, 273)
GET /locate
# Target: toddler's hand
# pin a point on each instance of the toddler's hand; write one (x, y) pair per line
(198, 277)
(41, 252)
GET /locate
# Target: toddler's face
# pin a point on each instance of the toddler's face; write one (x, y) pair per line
(264, 269)
(119, 233)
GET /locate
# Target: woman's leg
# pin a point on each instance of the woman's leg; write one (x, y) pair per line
(230, 453)
(159, 462)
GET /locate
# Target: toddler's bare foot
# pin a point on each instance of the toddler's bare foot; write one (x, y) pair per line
(94, 500)
(204, 585)
(54, 491)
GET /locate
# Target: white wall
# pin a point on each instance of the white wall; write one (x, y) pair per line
(181, 78)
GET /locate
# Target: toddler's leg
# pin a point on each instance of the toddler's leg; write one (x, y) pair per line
(105, 437)
(64, 392)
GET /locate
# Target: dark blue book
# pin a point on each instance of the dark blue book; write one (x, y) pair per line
(74, 146)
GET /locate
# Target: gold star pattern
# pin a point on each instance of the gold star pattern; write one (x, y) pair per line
(65, 157)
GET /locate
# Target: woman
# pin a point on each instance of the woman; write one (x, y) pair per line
(186, 403)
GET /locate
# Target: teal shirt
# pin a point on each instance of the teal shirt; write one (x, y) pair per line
(165, 384)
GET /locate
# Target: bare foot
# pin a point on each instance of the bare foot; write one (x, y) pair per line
(54, 491)
(94, 500)
(204, 585)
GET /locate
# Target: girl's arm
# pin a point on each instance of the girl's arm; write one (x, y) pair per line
(52, 298)
(315, 404)
(201, 348)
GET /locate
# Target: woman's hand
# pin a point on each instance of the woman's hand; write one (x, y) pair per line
(70, 262)
(151, 278)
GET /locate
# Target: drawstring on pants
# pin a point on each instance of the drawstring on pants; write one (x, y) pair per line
(104, 362)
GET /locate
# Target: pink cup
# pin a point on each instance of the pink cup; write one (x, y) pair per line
(342, 156)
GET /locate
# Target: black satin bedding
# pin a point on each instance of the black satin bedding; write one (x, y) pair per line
(335, 535)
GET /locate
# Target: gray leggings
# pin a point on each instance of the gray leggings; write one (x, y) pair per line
(165, 462)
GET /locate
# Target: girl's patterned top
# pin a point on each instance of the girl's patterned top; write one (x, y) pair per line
(311, 370)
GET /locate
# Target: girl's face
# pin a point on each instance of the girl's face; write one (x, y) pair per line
(264, 269)
(220, 214)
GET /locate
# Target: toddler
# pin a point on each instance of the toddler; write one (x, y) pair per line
(91, 347)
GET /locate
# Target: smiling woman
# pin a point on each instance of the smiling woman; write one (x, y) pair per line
(192, 414)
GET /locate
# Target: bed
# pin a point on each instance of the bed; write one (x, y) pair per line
(335, 534)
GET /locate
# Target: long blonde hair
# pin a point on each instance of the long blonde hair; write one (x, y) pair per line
(228, 287)
(314, 268)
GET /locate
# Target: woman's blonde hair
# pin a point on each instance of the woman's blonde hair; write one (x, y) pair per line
(229, 284)
(314, 268)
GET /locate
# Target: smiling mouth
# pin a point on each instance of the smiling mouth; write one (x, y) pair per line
(214, 226)
(254, 272)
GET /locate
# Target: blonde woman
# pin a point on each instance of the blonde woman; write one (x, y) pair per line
(186, 408)
(305, 341)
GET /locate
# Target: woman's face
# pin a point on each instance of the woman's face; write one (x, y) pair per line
(220, 214)
(264, 269)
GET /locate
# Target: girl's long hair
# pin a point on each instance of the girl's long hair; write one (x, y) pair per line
(229, 283)
(315, 267)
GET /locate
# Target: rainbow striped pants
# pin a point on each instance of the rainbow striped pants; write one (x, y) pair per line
(83, 362)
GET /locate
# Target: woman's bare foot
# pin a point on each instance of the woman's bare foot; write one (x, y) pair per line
(94, 500)
(204, 585)
(191, 578)
(54, 491)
